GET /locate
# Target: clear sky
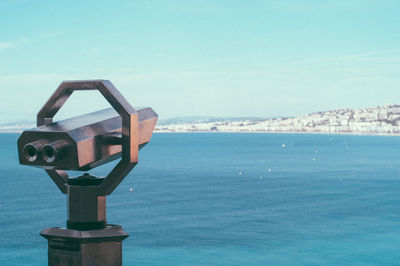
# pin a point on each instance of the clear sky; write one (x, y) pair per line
(212, 57)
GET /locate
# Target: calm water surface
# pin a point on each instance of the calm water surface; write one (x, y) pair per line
(228, 199)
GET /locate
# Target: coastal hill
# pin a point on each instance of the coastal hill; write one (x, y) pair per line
(375, 120)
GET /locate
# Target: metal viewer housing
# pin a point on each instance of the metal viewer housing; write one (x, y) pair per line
(83, 142)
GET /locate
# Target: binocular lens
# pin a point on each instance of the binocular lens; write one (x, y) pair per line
(49, 153)
(30, 152)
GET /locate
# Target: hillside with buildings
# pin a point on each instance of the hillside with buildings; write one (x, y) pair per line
(377, 120)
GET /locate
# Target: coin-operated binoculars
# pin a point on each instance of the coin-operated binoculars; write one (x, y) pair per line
(82, 143)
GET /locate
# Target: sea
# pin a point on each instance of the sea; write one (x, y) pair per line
(228, 199)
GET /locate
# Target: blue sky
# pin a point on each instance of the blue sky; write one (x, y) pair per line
(212, 58)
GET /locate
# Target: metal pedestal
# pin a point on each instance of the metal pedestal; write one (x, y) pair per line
(85, 248)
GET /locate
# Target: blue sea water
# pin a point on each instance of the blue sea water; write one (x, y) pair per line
(228, 199)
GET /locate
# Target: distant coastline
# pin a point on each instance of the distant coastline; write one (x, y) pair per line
(251, 132)
(382, 120)
(11, 131)
(276, 132)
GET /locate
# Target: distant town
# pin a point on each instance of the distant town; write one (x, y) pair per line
(375, 120)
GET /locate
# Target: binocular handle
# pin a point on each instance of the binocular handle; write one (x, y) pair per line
(130, 129)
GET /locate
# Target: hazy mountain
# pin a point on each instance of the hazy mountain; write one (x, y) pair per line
(204, 119)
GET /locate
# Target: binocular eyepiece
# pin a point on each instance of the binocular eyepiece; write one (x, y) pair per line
(43, 151)
(31, 152)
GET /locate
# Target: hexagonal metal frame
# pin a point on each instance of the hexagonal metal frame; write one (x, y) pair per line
(130, 129)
